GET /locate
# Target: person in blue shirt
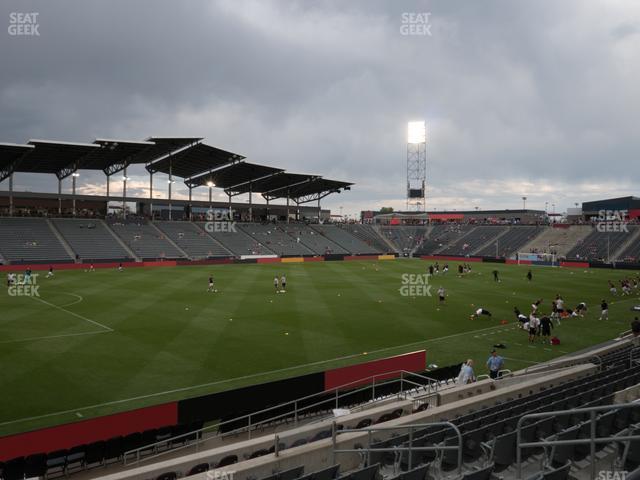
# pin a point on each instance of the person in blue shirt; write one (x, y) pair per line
(495, 364)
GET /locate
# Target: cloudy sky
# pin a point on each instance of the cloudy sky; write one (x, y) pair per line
(535, 98)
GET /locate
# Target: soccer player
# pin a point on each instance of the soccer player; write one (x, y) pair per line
(276, 283)
(522, 319)
(27, 277)
(495, 276)
(604, 307)
(534, 323)
(581, 309)
(480, 311)
(283, 282)
(441, 295)
(91, 268)
(529, 275)
(535, 305)
(546, 326)
(120, 269)
(559, 304)
(11, 279)
(211, 288)
(612, 288)
(446, 268)
(50, 273)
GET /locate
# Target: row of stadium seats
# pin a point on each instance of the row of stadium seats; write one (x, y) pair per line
(90, 239)
(30, 240)
(193, 240)
(145, 240)
(82, 457)
(475, 239)
(24, 240)
(406, 238)
(368, 235)
(601, 245)
(511, 242)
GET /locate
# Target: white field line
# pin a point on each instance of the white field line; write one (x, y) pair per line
(245, 377)
(48, 337)
(79, 299)
(98, 324)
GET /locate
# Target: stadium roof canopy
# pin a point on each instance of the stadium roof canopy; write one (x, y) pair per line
(232, 175)
(10, 155)
(114, 155)
(60, 158)
(274, 183)
(316, 189)
(192, 160)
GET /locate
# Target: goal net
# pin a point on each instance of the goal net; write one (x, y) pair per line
(549, 258)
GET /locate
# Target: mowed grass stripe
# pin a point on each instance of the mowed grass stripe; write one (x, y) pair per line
(159, 346)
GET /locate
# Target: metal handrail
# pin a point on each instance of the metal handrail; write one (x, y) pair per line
(563, 363)
(431, 384)
(592, 440)
(369, 431)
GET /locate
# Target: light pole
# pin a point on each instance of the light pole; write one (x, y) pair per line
(546, 207)
(524, 203)
(74, 175)
(210, 184)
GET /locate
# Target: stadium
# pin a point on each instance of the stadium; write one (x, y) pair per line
(174, 309)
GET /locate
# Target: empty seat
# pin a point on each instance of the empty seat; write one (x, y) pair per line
(35, 465)
(201, 467)
(367, 473)
(480, 474)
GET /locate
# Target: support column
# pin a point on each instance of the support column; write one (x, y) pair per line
(151, 195)
(74, 175)
(210, 197)
(124, 193)
(230, 211)
(297, 211)
(170, 182)
(11, 195)
(250, 202)
(107, 210)
(267, 198)
(319, 210)
(287, 206)
(59, 197)
(190, 207)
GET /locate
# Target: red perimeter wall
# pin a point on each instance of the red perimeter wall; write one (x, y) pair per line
(411, 362)
(87, 431)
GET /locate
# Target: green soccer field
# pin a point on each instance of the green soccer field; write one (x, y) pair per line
(105, 341)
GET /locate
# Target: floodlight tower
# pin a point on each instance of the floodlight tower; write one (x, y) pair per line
(416, 166)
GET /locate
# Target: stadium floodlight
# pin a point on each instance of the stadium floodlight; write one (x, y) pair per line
(210, 184)
(125, 178)
(75, 174)
(416, 132)
(171, 181)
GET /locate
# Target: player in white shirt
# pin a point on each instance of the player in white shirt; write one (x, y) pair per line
(283, 283)
(534, 323)
(50, 273)
(276, 283)
(480, 311)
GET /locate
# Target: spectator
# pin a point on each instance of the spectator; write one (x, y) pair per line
(495, 363)
(466, 374)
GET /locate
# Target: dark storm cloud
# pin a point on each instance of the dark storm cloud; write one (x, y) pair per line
(535, 99)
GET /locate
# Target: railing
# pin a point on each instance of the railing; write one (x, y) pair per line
(398, 449)
(591, 441)
(566, 362)
(296, 411)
